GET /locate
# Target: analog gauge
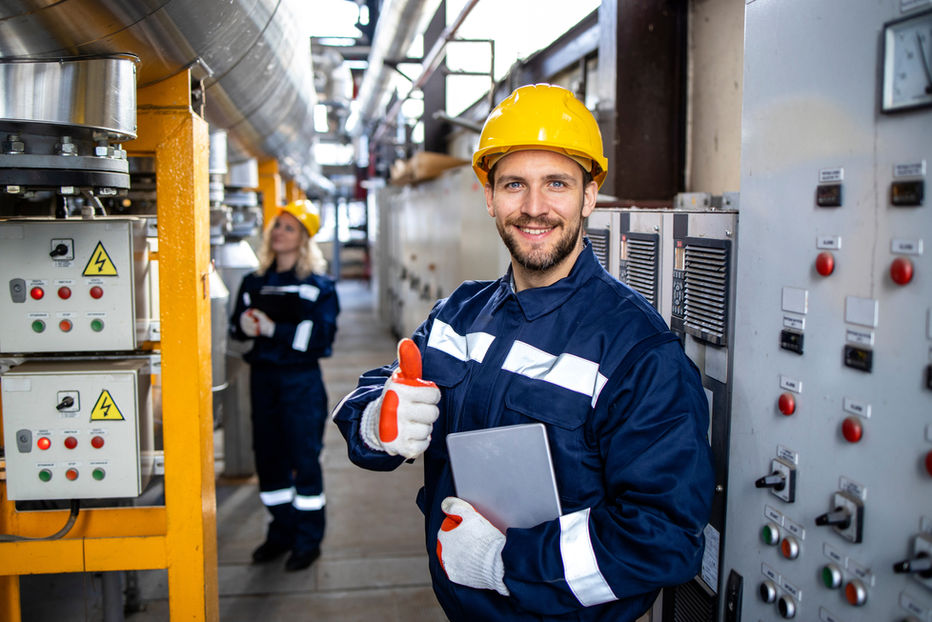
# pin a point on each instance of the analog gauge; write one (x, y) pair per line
(907, 63)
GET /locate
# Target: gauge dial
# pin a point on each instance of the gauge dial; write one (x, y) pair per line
(907, 70)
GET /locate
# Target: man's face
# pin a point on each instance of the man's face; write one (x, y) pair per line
(538, 202)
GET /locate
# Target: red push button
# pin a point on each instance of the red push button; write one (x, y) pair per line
(64, 292)
(786, 404)
(71, 474)
(37, 293)
(856, 592)
(44, 442)
(929, 462)
(825, 263)
(97, 291)
(852, 429)
(71, 442)
(97, 442)
(65, 326)
(901, 270)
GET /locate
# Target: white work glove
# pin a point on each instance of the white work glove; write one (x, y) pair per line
(266, 325)
(400, 421)
(469, 548)
(248, 323)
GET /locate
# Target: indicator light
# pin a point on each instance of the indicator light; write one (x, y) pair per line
(929, 462)
(99, 474)
(71, 442)
(37, 293)
(97, 325)
(38, 326)
(770, 534)
(825, 263)
(787, 404)
(97, 291)
(787, 607)
(71, 474)
(831, 576)
(789, 547)
(97, 442)
(44, 443)
(852, 429)
(767, 591)
(65, 326)
(855, 592)
(901, 270)
(64, 292)
(45, 475)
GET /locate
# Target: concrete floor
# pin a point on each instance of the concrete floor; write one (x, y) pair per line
(373, 564)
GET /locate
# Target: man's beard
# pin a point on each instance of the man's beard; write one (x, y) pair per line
(545, 257)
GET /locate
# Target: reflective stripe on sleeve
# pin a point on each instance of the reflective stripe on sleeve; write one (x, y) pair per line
(277, 497)
(579, 564)
(302, 336)
(309, 502)
(305, 291)
(566, 370)
(472, 346)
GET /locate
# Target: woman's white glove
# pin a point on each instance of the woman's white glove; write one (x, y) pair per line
(255, 323)
(266, 325)
(401, 420)
(469, 547)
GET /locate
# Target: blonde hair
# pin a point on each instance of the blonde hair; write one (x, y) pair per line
(310, 257)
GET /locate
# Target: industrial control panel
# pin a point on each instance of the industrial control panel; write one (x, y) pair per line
(830, 471)
(73, 285)
(77, 429)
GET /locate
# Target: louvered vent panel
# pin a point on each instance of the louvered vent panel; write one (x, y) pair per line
(600, 242)
(692, 604)
(640, 270)
(706, 293)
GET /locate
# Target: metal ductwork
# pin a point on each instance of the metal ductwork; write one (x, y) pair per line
(253, 56)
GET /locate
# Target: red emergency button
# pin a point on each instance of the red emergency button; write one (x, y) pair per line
(786, 404)
(37, 293)
(852, 429)
(825, 263)
(97, 291)
(71, 442)
(97, 442)
(44, 442)
(856, 592)
(901, 270)
(64, 292)
(71, 474)
(65, 326)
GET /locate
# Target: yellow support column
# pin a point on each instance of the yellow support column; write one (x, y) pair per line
(9, 598)
(270, 185)
(179, 139)
(293, 192)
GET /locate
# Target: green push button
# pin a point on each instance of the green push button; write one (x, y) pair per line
(99, 474)
(45, 475)
(38, 326)
(97, 325)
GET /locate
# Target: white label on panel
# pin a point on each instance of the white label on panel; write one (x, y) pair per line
(831, 174)
(860, 572)
(710, 558)
(795, 300)
(928, 432)
(906, 247)
(797, 323)
(860, 337)
(787, 454)
(792, 590)
(861, 311)
(770, 573)
(796, 529)
(910, 604)
(791, 384)
(773, 514)
(852, 487)
(856, 407)
(827, 616)
(909, 5)
(832, 553)
(829, 242)
(14, 383)
(929, 322)
(910, 169)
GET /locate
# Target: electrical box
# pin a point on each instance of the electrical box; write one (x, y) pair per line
(77, 429)
(73, 285)
(830, 466)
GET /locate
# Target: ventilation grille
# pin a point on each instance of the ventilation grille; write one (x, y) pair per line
(706, 291)
(692, 603)
(640, 264)
(599, 239)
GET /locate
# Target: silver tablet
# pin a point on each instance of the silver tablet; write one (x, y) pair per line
(506, 473)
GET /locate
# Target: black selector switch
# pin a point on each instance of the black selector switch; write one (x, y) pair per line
(24, 441)
(18, 290)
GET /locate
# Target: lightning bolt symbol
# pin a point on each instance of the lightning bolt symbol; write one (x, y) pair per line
(105, 407)
(100, 261)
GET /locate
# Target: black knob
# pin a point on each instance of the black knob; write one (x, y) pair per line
(921, 565)
(839, 517)
(775, 480)
(60, 249)
(67, 402)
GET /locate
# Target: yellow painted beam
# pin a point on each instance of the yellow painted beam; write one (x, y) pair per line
(91, 523)
(270, 185)
(42, 557)
(106, 554)
(9, 598)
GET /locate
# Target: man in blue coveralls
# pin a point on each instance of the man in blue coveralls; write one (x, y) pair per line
(556, 340)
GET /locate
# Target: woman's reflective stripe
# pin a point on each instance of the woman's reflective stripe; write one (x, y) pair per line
(277, 497)
(566, 370)
(472, 346)
(579, 564)
(302, 336)
(309, 502)
(308, 292)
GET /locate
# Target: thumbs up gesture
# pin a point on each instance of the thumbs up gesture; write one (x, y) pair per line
(400, 421)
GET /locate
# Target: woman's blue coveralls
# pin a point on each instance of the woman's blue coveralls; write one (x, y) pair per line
(289, 402)
(627, 420)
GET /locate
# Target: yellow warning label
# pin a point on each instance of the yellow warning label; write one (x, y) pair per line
(100, 263)
(106, 409)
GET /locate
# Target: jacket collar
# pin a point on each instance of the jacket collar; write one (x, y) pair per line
(539, 301)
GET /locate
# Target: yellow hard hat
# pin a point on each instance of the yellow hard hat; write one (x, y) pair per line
(541, 116)
(305, 212)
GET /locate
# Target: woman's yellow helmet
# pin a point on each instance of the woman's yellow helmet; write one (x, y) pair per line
(306, 213)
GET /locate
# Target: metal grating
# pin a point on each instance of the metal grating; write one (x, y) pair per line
(600, 243)
(706, 291)
(691, 603)
(640, 268)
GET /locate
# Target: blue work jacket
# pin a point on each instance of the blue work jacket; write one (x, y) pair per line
(627, 422)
